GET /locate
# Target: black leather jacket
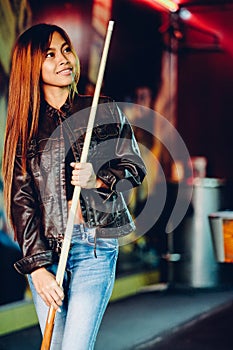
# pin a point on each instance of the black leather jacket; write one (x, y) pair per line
(39, 198)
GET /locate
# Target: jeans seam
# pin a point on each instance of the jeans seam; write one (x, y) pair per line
(92, 342)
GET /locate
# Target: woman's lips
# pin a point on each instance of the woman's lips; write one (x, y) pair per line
(66, 71)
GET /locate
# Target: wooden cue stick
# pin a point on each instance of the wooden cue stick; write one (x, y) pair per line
(76, 195)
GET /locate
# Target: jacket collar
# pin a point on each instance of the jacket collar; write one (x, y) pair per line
(54, 113)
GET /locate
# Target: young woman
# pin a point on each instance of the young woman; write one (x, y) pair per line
(43, 143)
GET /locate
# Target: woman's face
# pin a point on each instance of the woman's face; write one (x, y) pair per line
(59, 66)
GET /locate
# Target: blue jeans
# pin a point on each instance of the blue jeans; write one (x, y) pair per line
(88, 285)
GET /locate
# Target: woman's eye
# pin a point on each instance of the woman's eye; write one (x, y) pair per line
(49, 54)
(67, 49)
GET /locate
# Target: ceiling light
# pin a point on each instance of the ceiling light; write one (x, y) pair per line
(168, 4)
(185, 14)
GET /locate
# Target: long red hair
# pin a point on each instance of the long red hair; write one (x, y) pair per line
(25, 96)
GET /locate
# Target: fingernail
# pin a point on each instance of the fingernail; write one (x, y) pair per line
(59, 309)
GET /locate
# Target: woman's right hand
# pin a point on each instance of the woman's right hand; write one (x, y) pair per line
(47, 287)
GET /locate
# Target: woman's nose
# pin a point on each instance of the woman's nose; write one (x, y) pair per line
(62, 58)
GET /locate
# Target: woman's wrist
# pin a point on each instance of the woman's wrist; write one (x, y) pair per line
(39, 270)
(99, 183)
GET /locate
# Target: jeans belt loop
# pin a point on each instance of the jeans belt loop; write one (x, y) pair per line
(56, 244)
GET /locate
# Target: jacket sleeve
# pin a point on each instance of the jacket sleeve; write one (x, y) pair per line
(126, 169)
(26, 220)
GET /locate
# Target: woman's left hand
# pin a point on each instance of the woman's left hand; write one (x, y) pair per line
(83, 175)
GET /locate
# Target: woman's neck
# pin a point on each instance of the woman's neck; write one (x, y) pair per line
(56, 97)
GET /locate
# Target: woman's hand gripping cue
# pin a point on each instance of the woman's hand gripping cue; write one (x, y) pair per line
(47, 287)
(83, 175)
